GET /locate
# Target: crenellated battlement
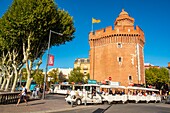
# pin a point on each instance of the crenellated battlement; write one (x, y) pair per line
(101, 31)
(124, 31)
(123, 35)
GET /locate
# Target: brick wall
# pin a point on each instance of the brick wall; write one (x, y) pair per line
(118, 52)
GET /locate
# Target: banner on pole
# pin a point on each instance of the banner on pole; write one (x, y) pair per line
(51, 60)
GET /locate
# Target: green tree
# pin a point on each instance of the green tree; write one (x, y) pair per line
(39, 77)
(162, 78)
(54, 75)
(62, 77)
(28, 22)
(11, 51)
(76, 76)
(150, 76)
(24, 74)
(86, 78)
(157, 77)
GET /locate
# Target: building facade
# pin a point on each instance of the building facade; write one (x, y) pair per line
(117, 53)
(65, 71)
(148, 65)
(84, 65)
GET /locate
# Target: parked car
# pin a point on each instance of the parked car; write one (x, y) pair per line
(167, 101)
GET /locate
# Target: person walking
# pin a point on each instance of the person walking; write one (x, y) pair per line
(22, 95)
(34, 92)
(37, 91)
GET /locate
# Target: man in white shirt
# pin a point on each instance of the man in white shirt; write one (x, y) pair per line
(22, 95)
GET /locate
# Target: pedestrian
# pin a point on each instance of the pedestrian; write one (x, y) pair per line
(37, 91)
(34, 92)
(22, 95)
(40, 91)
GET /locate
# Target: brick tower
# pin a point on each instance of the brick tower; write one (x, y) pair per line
(118, 53)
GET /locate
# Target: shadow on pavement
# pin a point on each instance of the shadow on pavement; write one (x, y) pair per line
(100, 110)
(54, 96)
(37, 103)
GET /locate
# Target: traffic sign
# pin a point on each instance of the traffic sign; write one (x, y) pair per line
(110, 78)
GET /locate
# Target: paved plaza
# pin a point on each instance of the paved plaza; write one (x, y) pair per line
(57, 104)
(53, 103)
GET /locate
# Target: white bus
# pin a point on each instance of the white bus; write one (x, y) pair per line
(62, 88)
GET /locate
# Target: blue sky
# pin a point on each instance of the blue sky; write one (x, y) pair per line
(151, 15)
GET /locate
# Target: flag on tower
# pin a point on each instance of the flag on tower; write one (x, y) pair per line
(51, 60)
(95, 20)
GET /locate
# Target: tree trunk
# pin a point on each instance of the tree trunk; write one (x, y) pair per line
(28, 76)
(3, 85)
(28, 83)
(15, 79)
(29, 79)
(0, 80)
(14, 82)
(7, 85)
(26, 53)
(16, 76)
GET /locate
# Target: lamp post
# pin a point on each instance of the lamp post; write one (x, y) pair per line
(43, 96)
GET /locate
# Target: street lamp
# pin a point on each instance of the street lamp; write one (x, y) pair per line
(43, 96)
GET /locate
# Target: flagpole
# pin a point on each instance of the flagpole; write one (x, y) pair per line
(92, 27)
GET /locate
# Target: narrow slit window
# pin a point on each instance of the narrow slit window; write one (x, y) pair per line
(120, 59)
(119, 45)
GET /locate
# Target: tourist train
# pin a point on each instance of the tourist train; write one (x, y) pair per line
(94, 93)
